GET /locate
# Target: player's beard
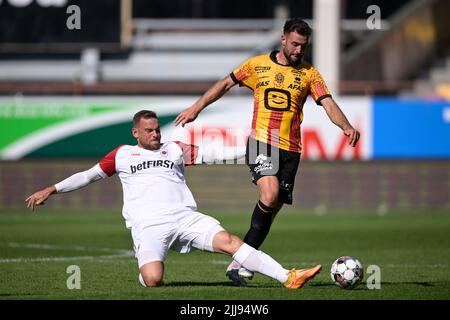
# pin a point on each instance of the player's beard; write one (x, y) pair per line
(150, 145)
(289, 59)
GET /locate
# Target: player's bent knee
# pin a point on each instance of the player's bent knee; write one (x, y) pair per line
(152, 274)
(226, 242)
(235, 242)
(269, 198)
(269, 189)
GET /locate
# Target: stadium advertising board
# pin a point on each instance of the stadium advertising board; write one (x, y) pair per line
(89, 127)
(47, 127)
(411, 129)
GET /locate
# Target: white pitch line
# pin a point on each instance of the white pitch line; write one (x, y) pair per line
(56, 259)
(60, 247)
(119, 253)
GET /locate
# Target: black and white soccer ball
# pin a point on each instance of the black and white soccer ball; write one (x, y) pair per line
(347, 272)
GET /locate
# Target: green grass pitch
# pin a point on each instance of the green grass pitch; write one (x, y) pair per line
(412, 251)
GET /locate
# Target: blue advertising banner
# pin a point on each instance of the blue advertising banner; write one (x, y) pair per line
(411, 129)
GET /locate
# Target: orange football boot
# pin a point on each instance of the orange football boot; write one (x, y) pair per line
(298, 277)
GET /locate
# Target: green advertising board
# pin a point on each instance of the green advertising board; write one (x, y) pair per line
(70, 127)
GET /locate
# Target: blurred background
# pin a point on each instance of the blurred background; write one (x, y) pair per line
(73, 73)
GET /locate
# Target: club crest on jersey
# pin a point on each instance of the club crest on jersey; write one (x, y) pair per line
(279, 78)
(163, 153)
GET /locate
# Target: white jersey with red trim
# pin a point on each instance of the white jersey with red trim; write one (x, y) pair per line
(153, 182)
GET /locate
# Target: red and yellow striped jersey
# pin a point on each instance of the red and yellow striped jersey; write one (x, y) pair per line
(279, 95)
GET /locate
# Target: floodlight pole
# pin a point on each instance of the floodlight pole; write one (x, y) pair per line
(327, 41)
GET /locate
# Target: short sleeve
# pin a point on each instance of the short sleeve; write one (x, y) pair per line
(319, 89)
(244, 74)
(108, 163)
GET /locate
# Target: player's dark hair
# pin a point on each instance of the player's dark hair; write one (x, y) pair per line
(297, 25)
(146, 114)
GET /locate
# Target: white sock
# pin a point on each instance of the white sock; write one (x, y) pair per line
(256, 260)
(141, 280)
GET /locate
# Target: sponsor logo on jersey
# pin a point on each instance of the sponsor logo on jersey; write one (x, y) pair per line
(262, 84)
(296, 87)
(261, 69)
(152, 164)
(298, 72)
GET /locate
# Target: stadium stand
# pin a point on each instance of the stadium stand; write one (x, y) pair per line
(199, 44)
(435, 83)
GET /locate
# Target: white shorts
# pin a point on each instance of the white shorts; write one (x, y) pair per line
(182, 231)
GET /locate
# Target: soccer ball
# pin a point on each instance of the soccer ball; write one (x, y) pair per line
(347, 272)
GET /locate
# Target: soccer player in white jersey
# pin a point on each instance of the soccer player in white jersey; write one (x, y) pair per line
(159, 207)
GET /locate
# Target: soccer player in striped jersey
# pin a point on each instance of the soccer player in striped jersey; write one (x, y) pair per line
(160, 210)
(281, 81)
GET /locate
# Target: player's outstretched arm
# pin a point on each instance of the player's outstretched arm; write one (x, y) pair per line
(212, 94)
(74, 182)
(338, 118)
